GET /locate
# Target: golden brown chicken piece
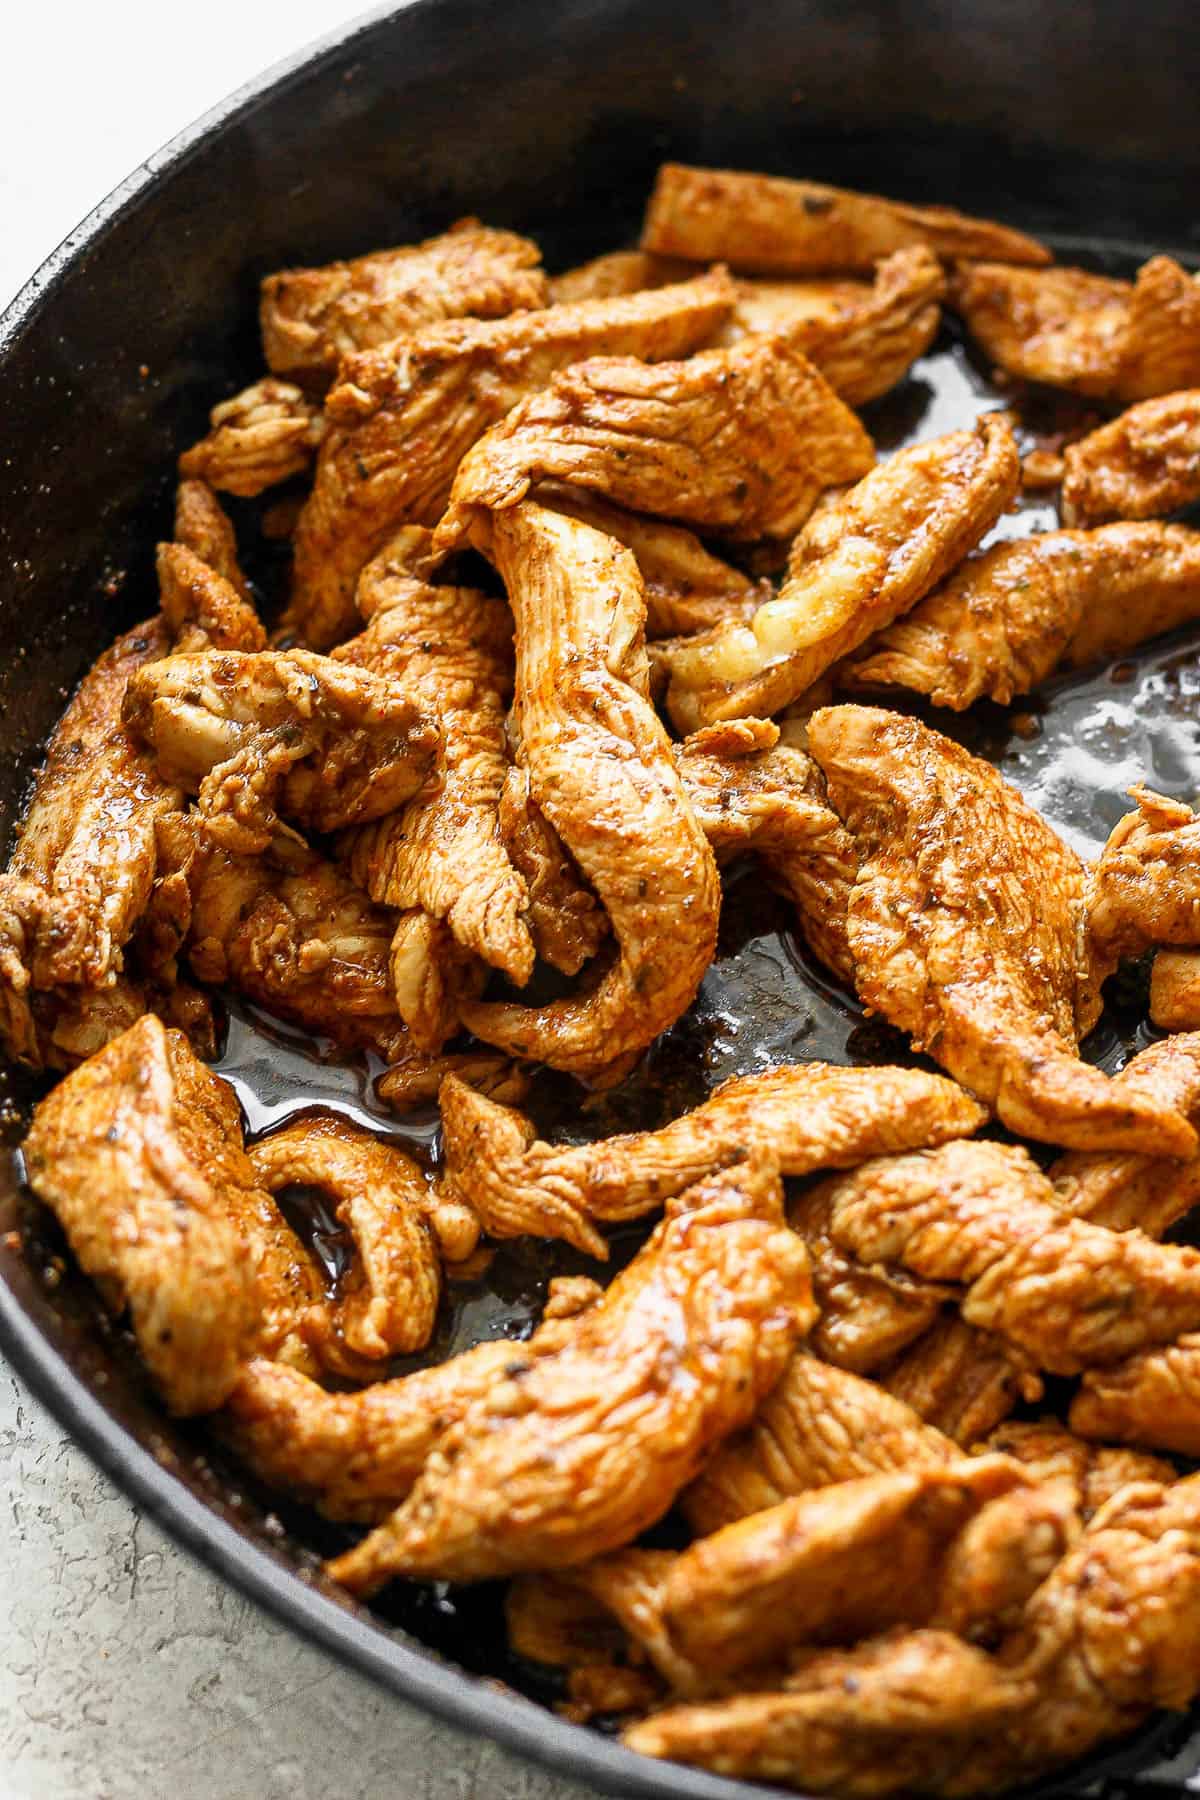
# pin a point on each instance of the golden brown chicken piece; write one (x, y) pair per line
(865, 558)
(139, 1154)
(589, 1447)
(1123, 340)
(1070, 1294)
(887, 1717)
(388, 1303)
(601, 771)
(450, 650)
(1146, 463)
(564, 918)
(751, 792)
(769, 225)
(312, 318)
(1175, 990)
(965, 927)
(1109, 1636)
(251, 733)
(686, 587)
(1095, 1471)
(868, 1315)
(843, 1562)
(617, 272)
(1152, 1398)
(739, 441)
(964, 1380)
(83, 865)
(291, 933)
(863, 337)
(807, 1116)
(819, 1425)
(258, 438)
(1022, 609)
(1146, 883)
(431, 975)
(356, 1456)
(203, 611)
(204, 527)
(400, 420)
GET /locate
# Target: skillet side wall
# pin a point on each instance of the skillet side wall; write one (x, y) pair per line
(1076, 117)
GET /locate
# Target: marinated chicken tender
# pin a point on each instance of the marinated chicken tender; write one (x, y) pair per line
(965, 924)
(1152, 1398)
(1175, 990)
(1011, 616)
(250, 733)
(770, 225)
(1146, 463)
(83, 865)
(1070, 1294)
(388, 1302)
(204, 527)
(139, 1155)
(450, 649)
(739, 441)
(1118, 339)
(202, 609)
(401, 418)
(1110, 1635)
(601, 770)
(865, 558)
(1146, 884)
(563, 916)
(687, 588)
(312, 318)
(258, 438)
(577, 1454)
(864, 339)
(807, 1116)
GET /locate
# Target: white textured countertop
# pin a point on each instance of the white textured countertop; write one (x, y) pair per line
(125, 1668)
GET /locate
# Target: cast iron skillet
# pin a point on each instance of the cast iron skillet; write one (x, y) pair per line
(1071, 117)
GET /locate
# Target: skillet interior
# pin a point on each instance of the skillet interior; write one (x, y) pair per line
(1080, 126)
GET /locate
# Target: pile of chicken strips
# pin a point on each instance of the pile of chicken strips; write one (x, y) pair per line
(597, 584)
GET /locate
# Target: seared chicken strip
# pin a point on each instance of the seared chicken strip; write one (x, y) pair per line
(204, 527)
(1123, 340)
(252, 732)
(203, 610)
(739, 441)
(1070, 1294)
(431, 975)
(312, 318)
(450, 650)
(577, 1454)
(1146, 884)
(264, 435)
(965, 925)
(1095, 1471)
(965, 1380)
(751, 792)
(81, 871)
(616, 272)
(686, 587)
(1152, 1398)
(1109, 1636)
(563, 916)
(880, 1719)
(388, 1303)
(601, 770)
(807, 1116)
(768, 225)
(1011, 616)
(843, 1562)
(865, 558)
(1175, 990)
(356, 1456)
(1144, 464)
(864, 339)
(400, 420)
(139, 1154)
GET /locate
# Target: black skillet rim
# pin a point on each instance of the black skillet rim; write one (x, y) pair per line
(349, 1632)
